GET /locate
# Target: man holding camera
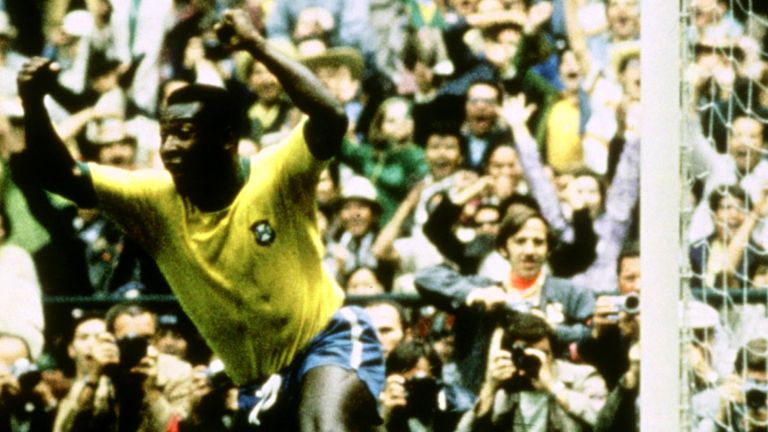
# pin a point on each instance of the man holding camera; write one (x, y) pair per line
(237, 240)
(414, 397)
(527, 389)
(616, 322)
(743, 396)
(480, 303)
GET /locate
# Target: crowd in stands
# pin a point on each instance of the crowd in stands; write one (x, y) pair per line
(490, 171)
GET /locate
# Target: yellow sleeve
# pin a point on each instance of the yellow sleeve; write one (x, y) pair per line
(142, 202)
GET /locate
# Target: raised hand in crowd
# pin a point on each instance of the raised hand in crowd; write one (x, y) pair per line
(516, 112)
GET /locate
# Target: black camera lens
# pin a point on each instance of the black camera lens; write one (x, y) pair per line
(632, 303)
(525, 363)
(132, 350)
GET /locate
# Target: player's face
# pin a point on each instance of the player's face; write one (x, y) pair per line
(180, 135)
(527, 248)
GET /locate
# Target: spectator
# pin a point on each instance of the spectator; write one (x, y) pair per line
(359, 216)
(730, 249)
(613, 222)
(615, 324)
(348, 25)
(89, 406)
(527, 388)
(272, 114)
(20, 291)
(363, 281)
(742, 406)
(390, 322)
(25, 405)
(482, 129)
(171, 375)
(741, 165)
(524, 240)
(414, 398)
(139, 32)
(389, 159)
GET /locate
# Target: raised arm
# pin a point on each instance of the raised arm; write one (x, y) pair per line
(327, 121)
(45, 153)
(516, 113)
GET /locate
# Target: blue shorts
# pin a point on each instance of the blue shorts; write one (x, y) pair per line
(348, 341)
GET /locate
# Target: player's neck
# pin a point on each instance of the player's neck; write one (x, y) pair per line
(219, 191)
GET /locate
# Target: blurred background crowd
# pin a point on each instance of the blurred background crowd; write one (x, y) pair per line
(483, 208)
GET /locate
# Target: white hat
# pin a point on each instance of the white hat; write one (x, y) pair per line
(360, 188)
(78, 23)
(699, 315)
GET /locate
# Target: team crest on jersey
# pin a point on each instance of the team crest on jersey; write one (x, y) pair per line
(263, 232)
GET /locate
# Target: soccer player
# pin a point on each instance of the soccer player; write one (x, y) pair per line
(237, 239)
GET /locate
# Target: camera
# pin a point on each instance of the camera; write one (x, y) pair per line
(755, 394)
(629, 304)
(527, 364)
(132, 349)
(421, 396)
(26, 373)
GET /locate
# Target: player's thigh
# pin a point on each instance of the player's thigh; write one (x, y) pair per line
(335, 399)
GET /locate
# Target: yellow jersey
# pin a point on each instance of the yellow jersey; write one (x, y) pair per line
(249, 276)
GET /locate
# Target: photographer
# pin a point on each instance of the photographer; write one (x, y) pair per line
(413, 398)
(527, 389)
(524, 240)
(26, 404)
(89, 405)
(616, 322)
(117, 386)
(213, 401)
(743, 405)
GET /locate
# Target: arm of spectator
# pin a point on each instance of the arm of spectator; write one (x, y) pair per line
(156, 409)
(500, 369)
(568, 259)
(538, 15)
(622, 195)
(446, 288)
(579, 305)
(382, 247)
(45, 154)
(516, 113)
(327, 122)
(438, 227)
(577, 39)
(90, 400)
(460, 55)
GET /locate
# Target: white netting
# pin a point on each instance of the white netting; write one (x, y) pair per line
(725, 219)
